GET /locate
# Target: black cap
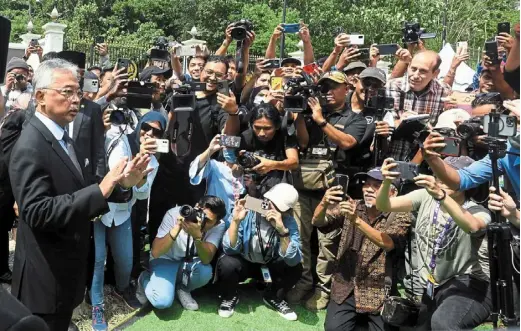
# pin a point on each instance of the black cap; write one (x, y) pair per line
(376, 174)
(77, 58)
(148, 72)
(355, 65)
(159, 54)
(373, 72)
(290, 60)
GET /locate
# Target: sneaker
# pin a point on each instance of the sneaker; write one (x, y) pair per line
(6, 277)
(128, 295)
(281, 307)
(186, 300)
(296, 295)
(318, 301)
(140, 289)
(98, 319)
(227, 307)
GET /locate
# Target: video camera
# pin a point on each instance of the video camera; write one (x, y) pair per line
(241, 28)
(247, 160)
(412, 32)
(183, 98)
(139, 95)
(162, 43)
(300, 89)
(378, 100)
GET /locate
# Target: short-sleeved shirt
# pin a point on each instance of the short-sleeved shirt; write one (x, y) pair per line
(179, 251)
(346, 121)
(459, 250)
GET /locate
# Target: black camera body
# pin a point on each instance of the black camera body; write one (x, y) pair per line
(379, 101)
(299, 91)
(470, 128)
(241, 28)
(121, 116)
(183, 98)
(19, 77)
(247, 160)
(412, 33)
(162, 43)
(191, 214)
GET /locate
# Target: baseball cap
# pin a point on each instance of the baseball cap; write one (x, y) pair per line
(458, 162)
(335, 76)
(283, 196)
(373, 72)
(76, 58)
(148, 72)
(354, 65)
(290, 60)
(375, 173)
(447, 118)
(15, 63)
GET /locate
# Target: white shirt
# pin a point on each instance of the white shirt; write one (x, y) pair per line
(120, 212)
(177, 252)
(56, 130)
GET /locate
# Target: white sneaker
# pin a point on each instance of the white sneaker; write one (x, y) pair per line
(186, 300)
(227, 307)
(140, 290)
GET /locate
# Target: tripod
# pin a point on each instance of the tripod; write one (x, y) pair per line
(499, 236)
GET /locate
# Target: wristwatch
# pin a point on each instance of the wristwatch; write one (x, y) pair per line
(322, 124)
(443, 197)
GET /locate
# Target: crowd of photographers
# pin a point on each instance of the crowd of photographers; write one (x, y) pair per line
(327, 180)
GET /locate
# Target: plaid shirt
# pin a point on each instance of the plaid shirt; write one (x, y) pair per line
(429, 102)
(364, 272)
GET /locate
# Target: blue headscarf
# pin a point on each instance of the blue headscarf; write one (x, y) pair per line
(151, 116)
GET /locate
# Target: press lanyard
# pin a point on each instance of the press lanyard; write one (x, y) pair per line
(261, 242)
(237, 190)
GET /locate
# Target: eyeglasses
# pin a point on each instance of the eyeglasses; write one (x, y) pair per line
(217, 74)
(67, 93)
(155, 132)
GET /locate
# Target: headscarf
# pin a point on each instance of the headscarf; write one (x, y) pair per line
(151, 116)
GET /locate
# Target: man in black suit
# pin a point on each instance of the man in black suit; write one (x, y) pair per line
(55, 201)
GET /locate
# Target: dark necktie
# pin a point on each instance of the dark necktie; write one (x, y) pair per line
(71, 152)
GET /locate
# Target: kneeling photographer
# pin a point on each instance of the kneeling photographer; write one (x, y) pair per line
(186, 243)
(267, 153)
(263, 239)
(449, 231)
(333, 131)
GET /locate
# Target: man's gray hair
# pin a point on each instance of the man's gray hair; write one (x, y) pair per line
(44, 75)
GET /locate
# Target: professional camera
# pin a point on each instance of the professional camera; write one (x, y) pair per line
(240, 29)
(247, 160)
(183, 98)
(379, 100)
(162, 43)
(121, 116)
(470, 128)
(191, 214)
(300, 89)
(412, 32)
(19, 77)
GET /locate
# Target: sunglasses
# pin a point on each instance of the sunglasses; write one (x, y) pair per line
(372, 83)
(155, 132)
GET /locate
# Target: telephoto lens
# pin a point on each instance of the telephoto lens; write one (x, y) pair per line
(188, 213)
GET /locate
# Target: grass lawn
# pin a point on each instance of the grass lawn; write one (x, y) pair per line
(250, 314)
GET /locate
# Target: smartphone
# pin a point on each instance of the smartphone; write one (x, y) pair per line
(99, 40)
(90, 85)
(272, 64)
(223, 87)
(503, 27)
(451, 146)
(491, 51)
(310, 68)
(162, 145)
(198, 86)
(276, 84)
(230, 141)
(182, 50)
(257, 205)
(34, 42)
(507, 125)
(356, 39)
(463, 45)
(291, 27)
(123, 63)
(341, 180)
(407, 170)
(388, 49)
(364, 54)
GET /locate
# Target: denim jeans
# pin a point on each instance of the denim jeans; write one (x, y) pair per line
(120, 241)
(161, 284)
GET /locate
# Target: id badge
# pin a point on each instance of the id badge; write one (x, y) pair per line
(266, 274)
(430, 290)
(319, 151)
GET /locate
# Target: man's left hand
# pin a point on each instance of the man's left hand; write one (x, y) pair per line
(264, 166)
(383, 129)
(317, 114)
(228, 103)
(430, 184)
(192, 228)
(304, 33)
(275, 219)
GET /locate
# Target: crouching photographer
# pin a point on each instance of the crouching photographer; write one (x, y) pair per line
(449, 232)
(263, 239)
(370, 246)
(186, 243)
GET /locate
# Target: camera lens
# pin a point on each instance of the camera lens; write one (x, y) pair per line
(511, 121)
(117, 117)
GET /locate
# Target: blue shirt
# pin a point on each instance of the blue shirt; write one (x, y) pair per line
(219, 182)
(480, 171)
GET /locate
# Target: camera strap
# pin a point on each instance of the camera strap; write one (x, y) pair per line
(263, 248)
(190, 249)
(182, 135)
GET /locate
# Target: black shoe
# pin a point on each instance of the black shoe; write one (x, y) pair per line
(129, 296)
(72, 327)
(227, 307)
(6, 277)
(280, 306)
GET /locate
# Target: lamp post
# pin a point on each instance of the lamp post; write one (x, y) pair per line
(282, 40)
(444, 32)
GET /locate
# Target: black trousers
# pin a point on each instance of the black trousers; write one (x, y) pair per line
(58, 321)
(233, 269)
(344, 317)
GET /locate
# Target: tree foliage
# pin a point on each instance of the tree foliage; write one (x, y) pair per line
(140, 22)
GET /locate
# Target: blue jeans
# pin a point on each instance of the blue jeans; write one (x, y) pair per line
(120, 241)
(160, 286)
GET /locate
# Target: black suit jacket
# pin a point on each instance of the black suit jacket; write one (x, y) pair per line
(89, 136)
(14, 316)
(56, 207)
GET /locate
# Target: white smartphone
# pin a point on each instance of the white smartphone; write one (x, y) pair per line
(463, 45)
(356, 39)
(162, 145)
(185, 51)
